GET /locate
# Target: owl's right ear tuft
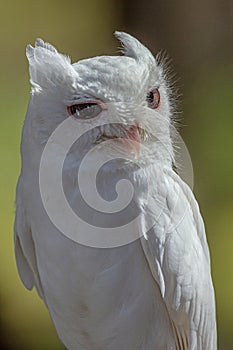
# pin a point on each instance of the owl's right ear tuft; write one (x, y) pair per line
(47, 67)
(29, 52)
(41, 43)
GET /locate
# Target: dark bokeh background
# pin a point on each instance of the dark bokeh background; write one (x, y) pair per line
(196, 34)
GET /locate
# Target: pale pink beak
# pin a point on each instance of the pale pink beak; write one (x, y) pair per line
(133, 139)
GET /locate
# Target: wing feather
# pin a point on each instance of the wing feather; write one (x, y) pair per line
(177, 253)
(24, 246)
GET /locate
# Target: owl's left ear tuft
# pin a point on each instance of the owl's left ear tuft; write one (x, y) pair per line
(134, 48)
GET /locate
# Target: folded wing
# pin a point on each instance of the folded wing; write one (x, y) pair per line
(178, 256)
(24, 246)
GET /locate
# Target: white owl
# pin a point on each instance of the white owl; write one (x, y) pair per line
(152, 291)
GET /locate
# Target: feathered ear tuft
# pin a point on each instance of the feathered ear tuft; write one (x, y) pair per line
(133, 48)
(47, 67)
(41, 43)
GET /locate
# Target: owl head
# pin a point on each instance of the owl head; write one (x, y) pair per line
(123, 98)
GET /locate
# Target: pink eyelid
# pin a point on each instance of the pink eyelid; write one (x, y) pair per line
(101, 104)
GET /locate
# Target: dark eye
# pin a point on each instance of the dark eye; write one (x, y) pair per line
(84, 110)
(153, 99)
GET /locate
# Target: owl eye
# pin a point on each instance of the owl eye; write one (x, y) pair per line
(153, 99)
(84, 110)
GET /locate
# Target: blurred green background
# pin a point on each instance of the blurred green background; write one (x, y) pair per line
(196, 34)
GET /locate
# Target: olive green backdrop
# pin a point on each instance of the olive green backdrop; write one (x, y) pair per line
(196, 35)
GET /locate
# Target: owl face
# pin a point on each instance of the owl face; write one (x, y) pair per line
(124, 98)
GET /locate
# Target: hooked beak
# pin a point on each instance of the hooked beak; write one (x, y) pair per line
(131, 138)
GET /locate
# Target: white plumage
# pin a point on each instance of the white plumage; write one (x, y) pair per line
(156, 292)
